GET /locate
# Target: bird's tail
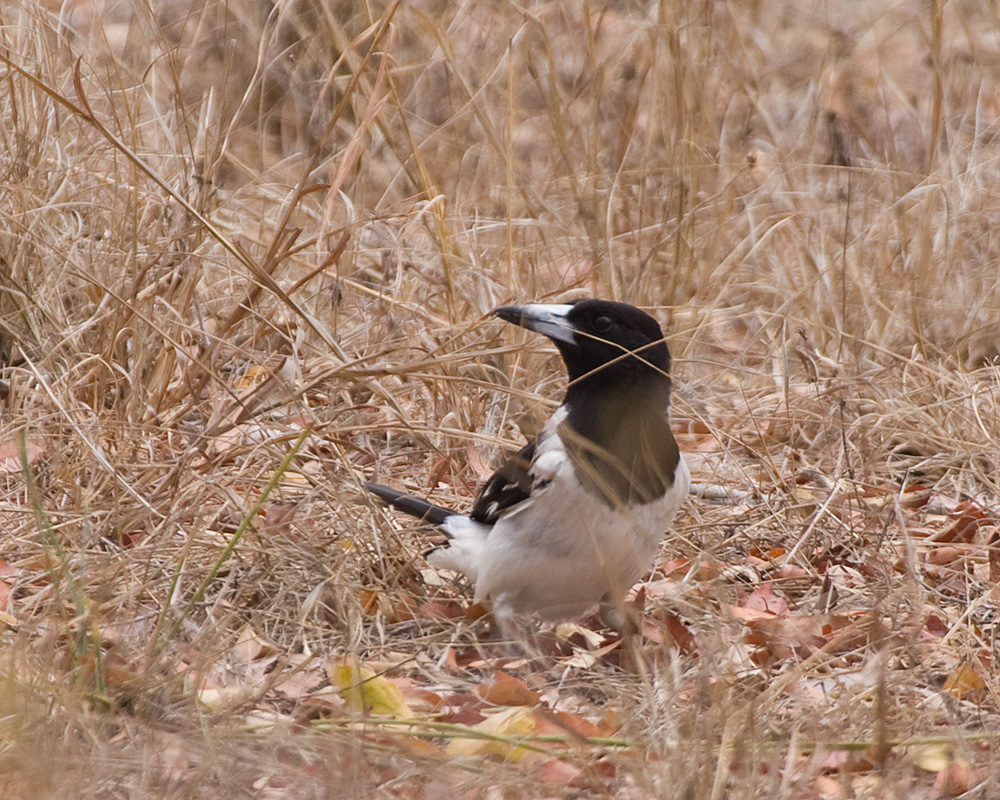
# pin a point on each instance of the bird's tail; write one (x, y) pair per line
(414, 506)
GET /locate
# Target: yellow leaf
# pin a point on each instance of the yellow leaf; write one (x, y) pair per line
(365, 691)
(508, 723)
(936, 757)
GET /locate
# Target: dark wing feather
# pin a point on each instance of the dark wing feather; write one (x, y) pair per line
(508, 486)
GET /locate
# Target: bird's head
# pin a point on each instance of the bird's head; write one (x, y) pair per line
(600, 341)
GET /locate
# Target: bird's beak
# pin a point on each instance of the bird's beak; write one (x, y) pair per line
(548, 320)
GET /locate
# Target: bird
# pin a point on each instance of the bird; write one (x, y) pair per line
(576, 517)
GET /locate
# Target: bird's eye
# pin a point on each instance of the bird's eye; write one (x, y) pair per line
(602, 324)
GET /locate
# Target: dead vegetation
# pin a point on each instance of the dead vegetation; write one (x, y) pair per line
(246, 253)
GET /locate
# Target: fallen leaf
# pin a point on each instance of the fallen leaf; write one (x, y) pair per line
(963, 681)
(791, 572)
(783, 637)
(506, 690)
(422, 701)
(507, 725)
(579, 636)
(439, 473)
(478, 463)
(916, 495)
(694, 436)
(955, 779)
(129, 539)
(665, 587)
(371, 601)
(763, 598)
(669, 630)
(557, 771)
(828, 788)
(226, 698)
(414, 746)
(295, 685)
(10, 455)
(366, 691)
(120, 674)
(933, 756)
(935, 626)
(278, 517)
(610, 722)
(475, 611)
(440, 609)
(708, 570)
(994, 561)
(395, 607)
(557, 723)
(676, 567)
(966, 519)
(749, 614)
(325, 702)
(249, 646)
(468, 715)
(941, 556)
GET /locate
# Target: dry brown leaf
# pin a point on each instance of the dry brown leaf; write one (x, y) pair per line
(791, 572)
(955, 779)
(916, 495)
(675, 568)
(763, 598)
(477, 463)
(828, 788)
(506, 690)
(440, 609)
(249, 646)
(940, 556)
(394, 607)
(556, 723)
(966, 520)
(670, 631)
(554, 770)
(784, 637)
(295, 685)
(421, 700)
(748, 615)
(963, 681)
(694, 436)
(665, 587)
(993, 554)
(463, 710)
(10, 455)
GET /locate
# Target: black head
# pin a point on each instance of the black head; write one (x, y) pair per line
(616, 431)
(600, 341)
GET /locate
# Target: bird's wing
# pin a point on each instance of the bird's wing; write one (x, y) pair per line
(508, 486)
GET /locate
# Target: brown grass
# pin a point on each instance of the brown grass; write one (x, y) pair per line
(246, 254)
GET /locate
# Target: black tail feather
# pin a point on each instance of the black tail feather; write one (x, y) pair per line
(408, 504)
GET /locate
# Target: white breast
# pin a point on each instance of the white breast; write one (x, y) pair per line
(564, 550)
